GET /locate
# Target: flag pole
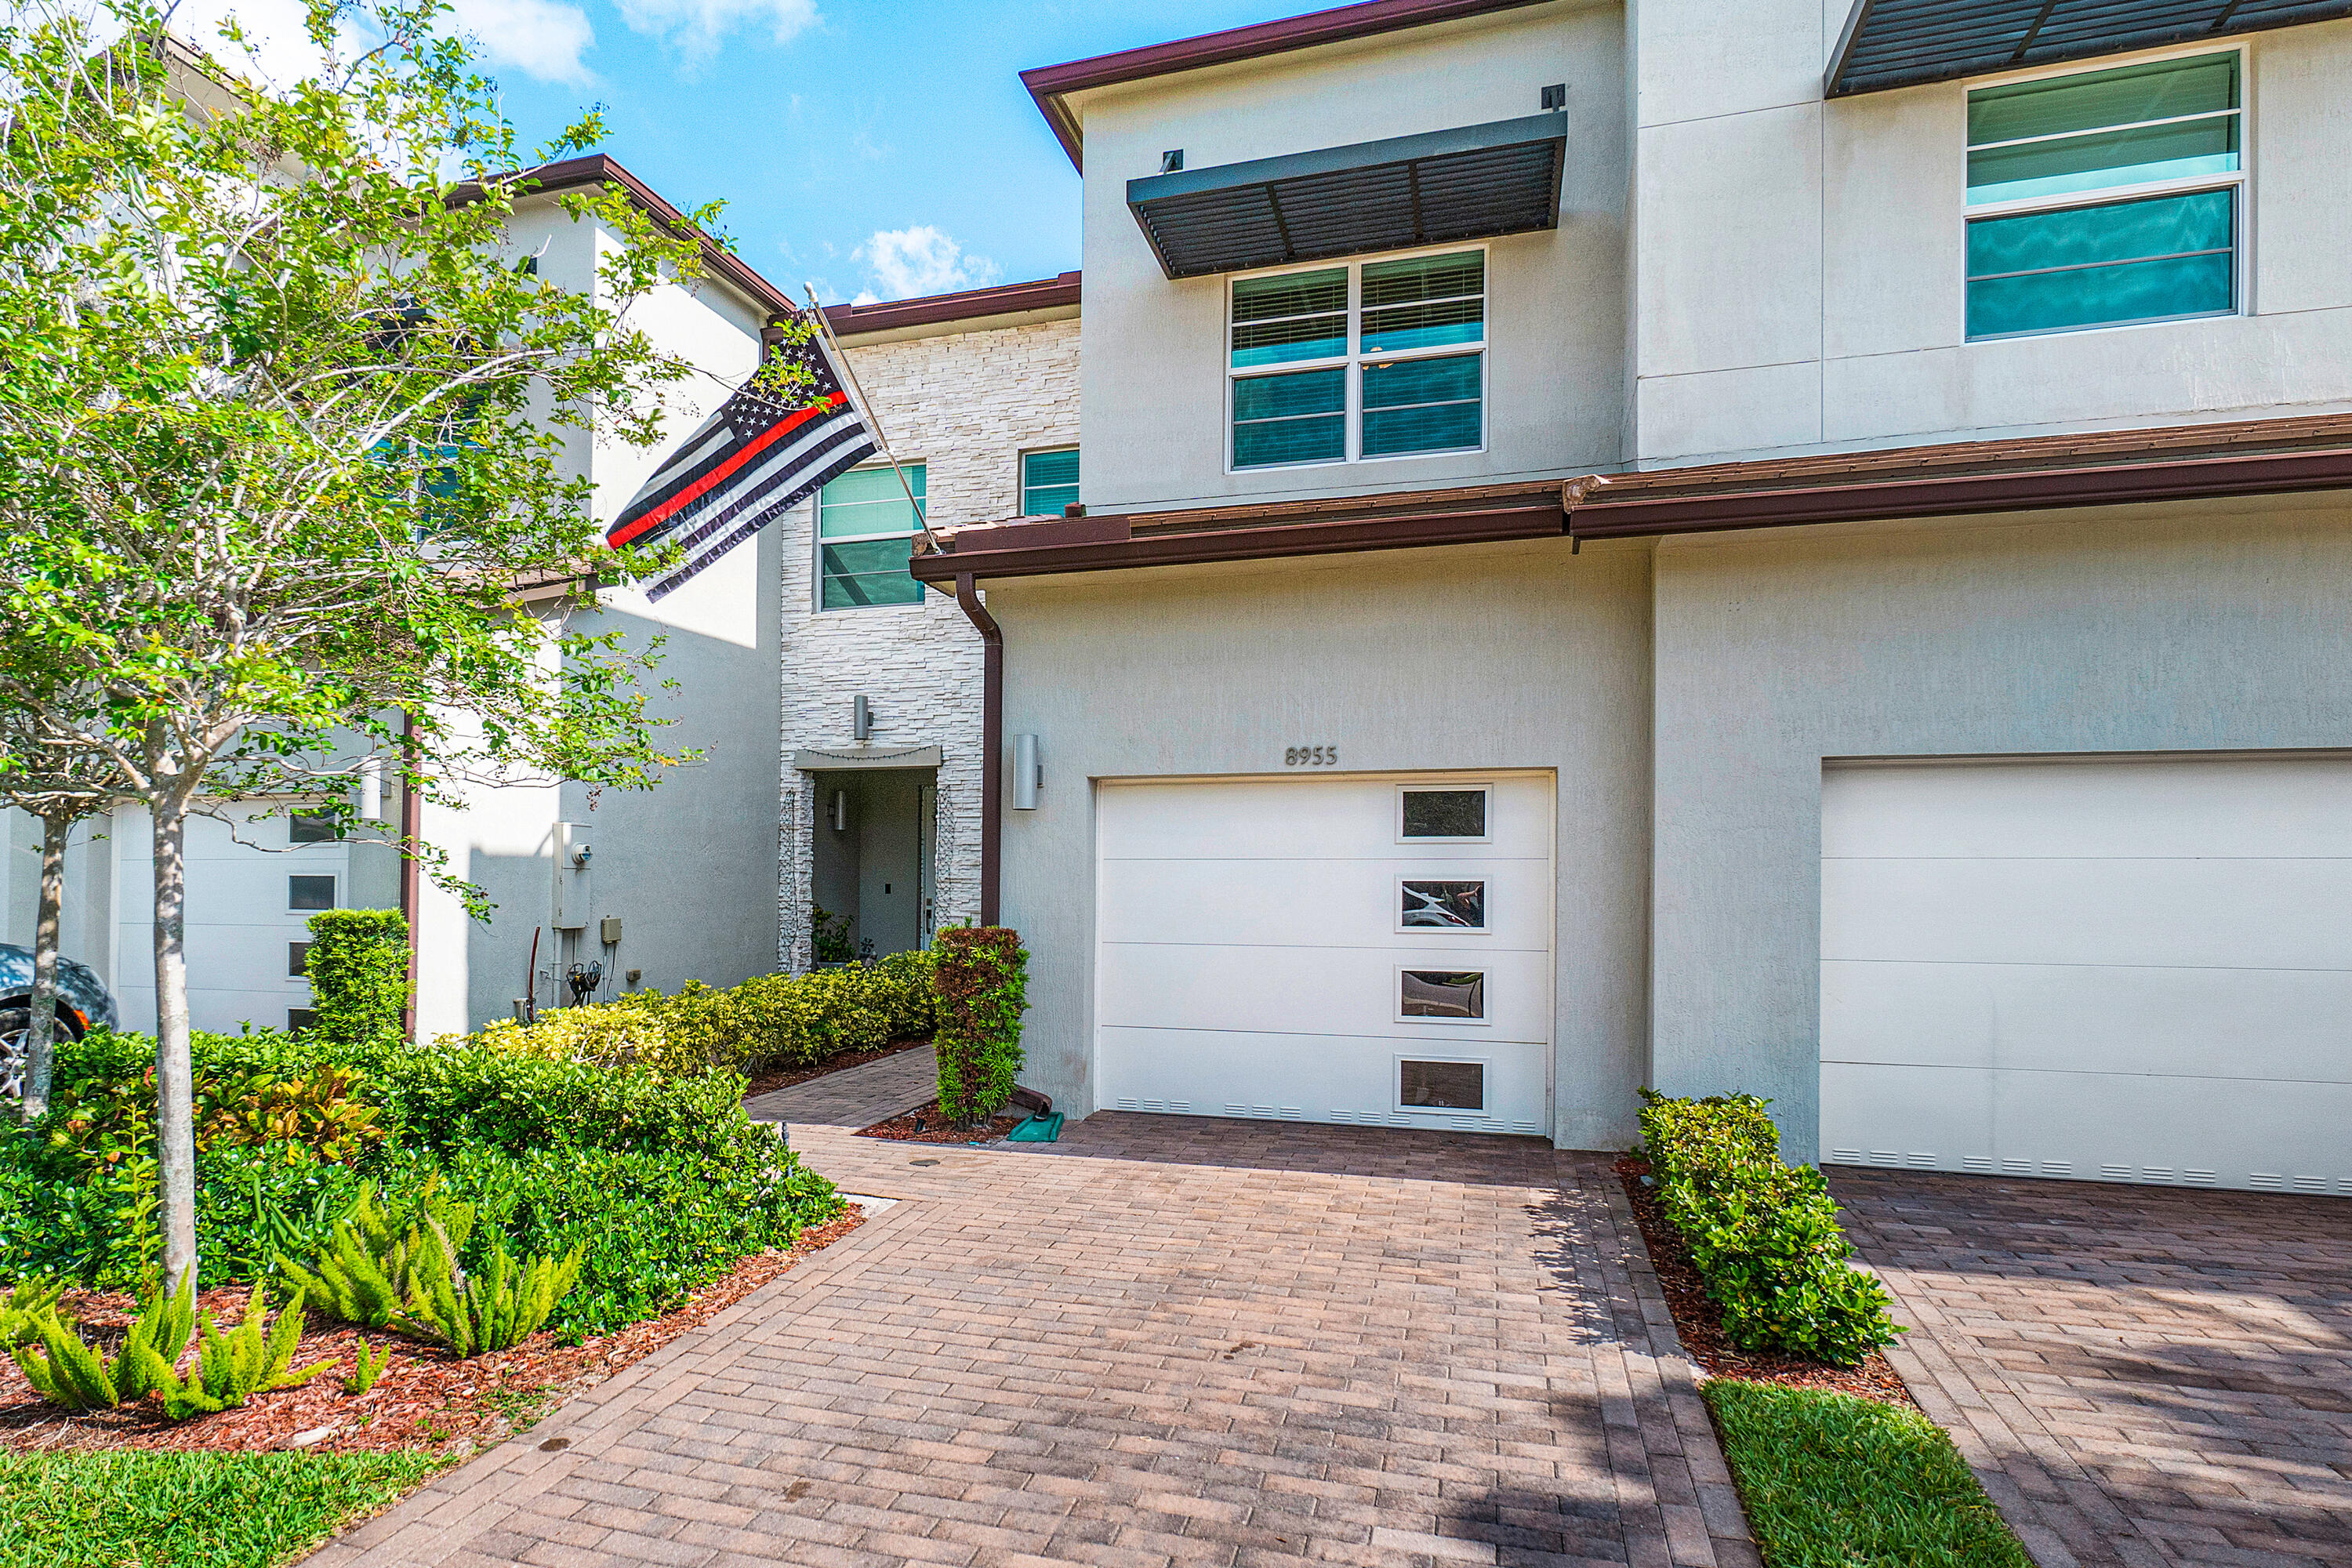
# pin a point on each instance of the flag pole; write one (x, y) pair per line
(840, 357)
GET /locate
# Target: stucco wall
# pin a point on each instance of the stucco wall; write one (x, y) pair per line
(1155, 369)
(1800, 273)
(1518, 656)
(965, 404)
(2170, 628)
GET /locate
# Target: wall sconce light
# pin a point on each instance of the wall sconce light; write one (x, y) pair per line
(1028, 774)
(840, 809)
(861, 719)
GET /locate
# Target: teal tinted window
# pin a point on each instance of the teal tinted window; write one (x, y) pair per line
(1296, 418)
(865, 528)
(2082, 267)
(1297, 316)
(1049, 481)
(1421, 405)
(1425, 301)
(2168, 120)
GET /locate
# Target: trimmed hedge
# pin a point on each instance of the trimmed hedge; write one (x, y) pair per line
(357, 966)
(982, 985)
(1763, 1234)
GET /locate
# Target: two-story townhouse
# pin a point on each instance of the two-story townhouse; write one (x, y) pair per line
(1793, 548)
(680, 882)
(881, 803)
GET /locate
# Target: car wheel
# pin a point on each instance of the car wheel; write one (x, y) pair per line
(16, 1044)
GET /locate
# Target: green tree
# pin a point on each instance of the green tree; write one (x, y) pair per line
(288, 426)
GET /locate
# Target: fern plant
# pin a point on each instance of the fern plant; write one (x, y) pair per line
(502, 1305)
(70, 1373)
(232, 1368)
(377, 1260)
(22, 1305)
(364, 1370)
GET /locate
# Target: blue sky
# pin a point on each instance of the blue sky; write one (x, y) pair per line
(878, 147)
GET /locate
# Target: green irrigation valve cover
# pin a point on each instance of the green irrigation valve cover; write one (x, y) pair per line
(1046, 1129)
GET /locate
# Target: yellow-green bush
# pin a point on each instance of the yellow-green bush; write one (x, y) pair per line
(770, 1021)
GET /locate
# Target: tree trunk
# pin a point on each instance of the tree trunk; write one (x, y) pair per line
(175, 1119)
(40, 1049)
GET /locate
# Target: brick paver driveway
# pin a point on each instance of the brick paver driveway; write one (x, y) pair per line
(2140, 1376)
(1161, 1341)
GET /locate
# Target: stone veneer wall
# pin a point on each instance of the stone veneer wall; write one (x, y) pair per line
(966, 405)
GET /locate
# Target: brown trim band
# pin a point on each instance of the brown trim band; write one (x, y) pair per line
(2208, 477)
(1110, 543)
(972, 304)
(1048, 84)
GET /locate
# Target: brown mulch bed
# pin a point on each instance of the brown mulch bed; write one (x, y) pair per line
(769, 1082)
(936, 1129)
(1700, 1322)
(426, 1398)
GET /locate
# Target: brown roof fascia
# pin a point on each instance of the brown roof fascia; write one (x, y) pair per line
(1048, 84)
(603, 169)
(2192, 462)
(968, 305)
(1241, 534)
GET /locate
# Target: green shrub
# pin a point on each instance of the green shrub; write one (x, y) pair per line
(358, 967)
(1763, 1235)
(71, 1374)
(21, 1306)
(368, 1363)
(443, 1098)
(496, 1307)
(651, 1225)
(982, 983)
(256, 1206)
(232, 1368)
(380, 1260)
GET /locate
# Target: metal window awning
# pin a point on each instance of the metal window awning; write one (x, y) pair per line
(1472, 183)
(1902, 43)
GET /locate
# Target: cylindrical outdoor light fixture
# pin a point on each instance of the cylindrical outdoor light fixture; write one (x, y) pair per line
(1028, 777)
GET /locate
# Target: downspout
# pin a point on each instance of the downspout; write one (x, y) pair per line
(411, 813)
(991, 741)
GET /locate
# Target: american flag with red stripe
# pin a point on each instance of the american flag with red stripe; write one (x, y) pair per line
(747, 465)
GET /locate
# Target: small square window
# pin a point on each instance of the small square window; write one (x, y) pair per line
(1459, 814)
(1049, 481)
(309, 892)
(1441, 906)
(304, 828)
(300, 1018)
(1442, 1085)
(1442, 994)
(298, 961)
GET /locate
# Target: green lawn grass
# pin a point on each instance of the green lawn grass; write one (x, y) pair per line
(1833, 1481)
(134, 1509)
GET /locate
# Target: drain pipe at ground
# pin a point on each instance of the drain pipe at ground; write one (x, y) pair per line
(992, 740)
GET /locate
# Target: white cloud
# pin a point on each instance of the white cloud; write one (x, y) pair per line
(903, 262)
(542, 38)
(695, 26)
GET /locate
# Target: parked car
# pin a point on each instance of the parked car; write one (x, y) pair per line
(83, 1004)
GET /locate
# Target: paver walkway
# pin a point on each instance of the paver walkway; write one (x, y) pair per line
(1161, 1342)
(2140, 1376)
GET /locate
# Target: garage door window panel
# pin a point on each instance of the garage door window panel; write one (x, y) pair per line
(309, 892)
(1435, 905)
(1441, 1084)
(1455, 816)
(1447, 995)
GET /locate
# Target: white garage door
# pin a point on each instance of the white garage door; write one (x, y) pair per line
(1371, 951)
(2135, 970)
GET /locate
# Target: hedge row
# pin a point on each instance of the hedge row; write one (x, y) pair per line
(772, 1021)
(1763, 1234)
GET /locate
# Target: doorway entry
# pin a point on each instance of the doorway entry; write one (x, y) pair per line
(872, 874)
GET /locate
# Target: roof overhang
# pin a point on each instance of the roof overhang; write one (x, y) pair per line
(1051, 85)
(1471, 183)
(2042, 473)
(970, 309)
(1902, 43)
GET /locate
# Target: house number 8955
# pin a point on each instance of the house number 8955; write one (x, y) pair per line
(1311, 757)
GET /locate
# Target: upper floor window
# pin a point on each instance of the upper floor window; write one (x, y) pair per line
(2157, 150)
(1049, 481)
(865, 532)
(1378, 359)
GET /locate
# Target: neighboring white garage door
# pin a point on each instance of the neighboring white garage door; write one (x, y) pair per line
(1371, 951)
(2135, 970)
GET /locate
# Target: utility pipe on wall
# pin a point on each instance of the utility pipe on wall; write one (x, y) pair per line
(992, 740)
